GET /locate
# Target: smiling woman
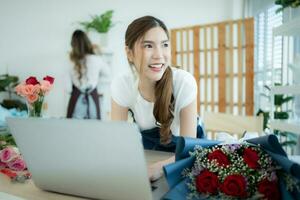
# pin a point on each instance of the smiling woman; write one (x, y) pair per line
(161, 98)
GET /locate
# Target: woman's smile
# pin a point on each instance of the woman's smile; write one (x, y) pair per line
(157, 67)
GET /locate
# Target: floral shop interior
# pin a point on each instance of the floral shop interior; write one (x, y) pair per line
(74, 70)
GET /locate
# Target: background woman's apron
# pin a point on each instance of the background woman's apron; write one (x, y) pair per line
(74, 98)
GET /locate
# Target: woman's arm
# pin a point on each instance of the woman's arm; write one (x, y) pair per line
(188, 128)
(118, 113)
(188, 120)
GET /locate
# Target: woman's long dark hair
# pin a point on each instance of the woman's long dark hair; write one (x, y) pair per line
(81, 46)
(164, 101)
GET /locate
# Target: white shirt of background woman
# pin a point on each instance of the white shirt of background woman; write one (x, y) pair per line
(95, 69)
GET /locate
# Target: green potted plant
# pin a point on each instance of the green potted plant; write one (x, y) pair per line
(7, 84)
(100, 24)
(287, 3)
(279, 101)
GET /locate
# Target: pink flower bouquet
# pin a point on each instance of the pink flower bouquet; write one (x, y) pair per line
(34, 91)
(12, 164)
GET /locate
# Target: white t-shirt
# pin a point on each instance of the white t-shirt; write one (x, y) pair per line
(124, 91)
(95, 68)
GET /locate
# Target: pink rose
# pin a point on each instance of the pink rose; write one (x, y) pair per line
(19, 89)
(50, 79)
(30, 89)
(46, 86)
(32, 81)
(17, 164)
(8, 154)
(32, 98)
(2, 165)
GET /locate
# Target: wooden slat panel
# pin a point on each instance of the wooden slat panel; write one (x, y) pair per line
(181, 48)
(174, 47)
(188, 48)
(222, 70)
(249, 27)
(231, 67)
(215, 49)
(240, 68)
(196, 64)
(212, 103)
(207, 76)
(205, 68)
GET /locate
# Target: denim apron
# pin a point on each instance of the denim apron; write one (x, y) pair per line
(74, 98)
(151, 139)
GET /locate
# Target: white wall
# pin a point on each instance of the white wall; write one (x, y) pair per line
(35, 34)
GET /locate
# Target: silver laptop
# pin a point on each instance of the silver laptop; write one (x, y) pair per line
(89, 158)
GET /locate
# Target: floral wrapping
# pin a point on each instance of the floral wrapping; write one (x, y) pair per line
(256, 169)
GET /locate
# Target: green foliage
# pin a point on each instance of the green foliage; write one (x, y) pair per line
(287, 3)
(13, 103)
(6, 140)
(279, 100)
(7, 84)
(100, 23)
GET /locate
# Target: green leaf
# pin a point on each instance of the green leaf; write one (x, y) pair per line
(289, 143)
(100, 23)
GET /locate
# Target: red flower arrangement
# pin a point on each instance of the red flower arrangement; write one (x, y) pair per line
(233, 171)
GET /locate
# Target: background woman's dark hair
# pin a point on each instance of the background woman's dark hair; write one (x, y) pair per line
(81, 46)
(164, 101)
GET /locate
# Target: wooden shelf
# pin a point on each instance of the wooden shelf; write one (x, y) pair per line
(290, 28)
(286, 125)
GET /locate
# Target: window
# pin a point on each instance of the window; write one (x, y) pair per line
(267, 55)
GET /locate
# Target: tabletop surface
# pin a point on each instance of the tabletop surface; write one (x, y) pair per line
(28, 191)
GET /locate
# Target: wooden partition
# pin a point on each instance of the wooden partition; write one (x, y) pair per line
(221, 58)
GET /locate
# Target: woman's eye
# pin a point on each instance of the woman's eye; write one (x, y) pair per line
(148, 46)
(166, 45)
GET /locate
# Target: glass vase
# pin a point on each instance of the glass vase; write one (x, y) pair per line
(35, 108)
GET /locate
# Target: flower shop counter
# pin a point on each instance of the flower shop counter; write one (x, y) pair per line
(28, 191)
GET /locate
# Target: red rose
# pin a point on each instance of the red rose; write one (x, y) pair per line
(32, 81)
(207, 182)
(219, 156)
(49, 78)
(234, 185)
(269, 189)
(251, 158)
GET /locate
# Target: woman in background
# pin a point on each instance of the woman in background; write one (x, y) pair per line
(85, 73)
(161, 98)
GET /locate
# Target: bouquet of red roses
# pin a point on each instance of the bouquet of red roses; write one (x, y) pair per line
(258, 168)
(233, 171)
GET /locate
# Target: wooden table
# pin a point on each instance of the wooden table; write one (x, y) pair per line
(29, 191)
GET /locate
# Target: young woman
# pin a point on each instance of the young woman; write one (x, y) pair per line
(85, 73)
(161, 98)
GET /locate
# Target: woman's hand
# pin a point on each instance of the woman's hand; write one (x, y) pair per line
(155, 171)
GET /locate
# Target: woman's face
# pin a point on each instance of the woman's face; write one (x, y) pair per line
(151, 54)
